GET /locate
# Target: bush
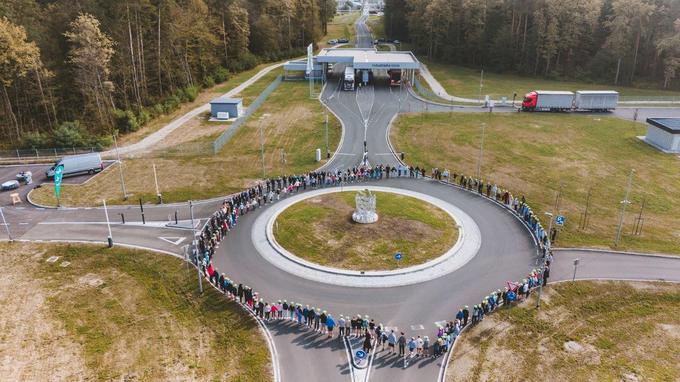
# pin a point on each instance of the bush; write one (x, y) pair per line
(171, 103)
(190, 93)
(126, 121)
(221, 75)
(35, 140)
(68, 134)
(102, 142)
(143, 117)
(158, 110)
(208, 82)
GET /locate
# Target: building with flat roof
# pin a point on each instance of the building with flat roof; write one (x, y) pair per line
(664, 134)
(226, 108)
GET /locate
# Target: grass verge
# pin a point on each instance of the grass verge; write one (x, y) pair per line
(537, 154)
(342, 26)
(464, 82)
(118, 314)
(291, 122)
(601, 331)
(321, 230)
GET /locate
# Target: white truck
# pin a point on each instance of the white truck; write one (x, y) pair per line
(583, 100)
(78, 164)
(596, 100)
(348, 80)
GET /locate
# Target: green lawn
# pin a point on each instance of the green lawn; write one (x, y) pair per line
(321, 230)
(291, 121)
(464, 82)
(622, 329)
(532, 154)
(135, 315)
(376, 25)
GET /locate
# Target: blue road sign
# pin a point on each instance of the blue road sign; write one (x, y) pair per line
(559, 220)
(360, 354)
(397, 256)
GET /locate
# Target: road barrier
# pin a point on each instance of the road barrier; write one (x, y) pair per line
(233, 128)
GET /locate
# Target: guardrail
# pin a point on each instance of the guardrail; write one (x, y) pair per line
(233, 128)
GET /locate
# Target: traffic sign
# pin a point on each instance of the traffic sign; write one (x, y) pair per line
(397, 256)
(559, 220)
(360, 354)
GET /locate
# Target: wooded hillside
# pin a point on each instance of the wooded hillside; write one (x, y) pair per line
(72, 72)
(612, 41)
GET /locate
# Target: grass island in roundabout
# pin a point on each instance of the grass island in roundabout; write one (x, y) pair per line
(321, 230)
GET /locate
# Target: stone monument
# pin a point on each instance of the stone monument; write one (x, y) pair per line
(365, 212)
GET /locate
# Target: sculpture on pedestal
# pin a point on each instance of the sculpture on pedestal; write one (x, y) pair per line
(365, 208)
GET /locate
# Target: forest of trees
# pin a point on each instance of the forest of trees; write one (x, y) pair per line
(74, 72)
(620, 42)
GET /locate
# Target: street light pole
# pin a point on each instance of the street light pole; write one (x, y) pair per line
(545, 257)
(624, 203)
(158, 193)
(194, 243)
(120, 168)
(108, 224)
(326, 120)
(9, 235)
(481, 153)
(262, 148)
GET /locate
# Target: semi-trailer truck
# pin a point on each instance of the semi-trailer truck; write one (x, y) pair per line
(348, 83)
(584, 100)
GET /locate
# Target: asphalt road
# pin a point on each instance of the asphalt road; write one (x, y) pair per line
(506, 253)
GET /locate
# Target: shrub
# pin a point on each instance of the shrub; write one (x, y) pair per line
(68, 134)
(171, 103)
(35, 139)
(208, 82)
(143, 117)
(221, 75)
(126, 121)
(158, 109)
(102, 142)
(190, 93)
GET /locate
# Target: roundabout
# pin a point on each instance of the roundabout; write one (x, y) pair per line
(463, 248)
(322, 230)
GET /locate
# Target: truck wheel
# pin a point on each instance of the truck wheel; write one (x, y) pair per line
(90, 172)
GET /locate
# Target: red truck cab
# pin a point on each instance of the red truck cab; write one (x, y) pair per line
(529, 102)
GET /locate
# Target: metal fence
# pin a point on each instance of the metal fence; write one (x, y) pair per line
(231, 130)
(44, 153)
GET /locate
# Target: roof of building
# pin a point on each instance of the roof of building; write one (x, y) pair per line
(670, 125)
(554, 92)
(226, 100)
(604, 92)
(369, 58)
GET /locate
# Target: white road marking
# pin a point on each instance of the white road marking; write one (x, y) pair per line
(52, 259)
(172, 239)
(417, 327)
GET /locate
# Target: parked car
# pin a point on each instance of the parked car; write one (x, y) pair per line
(10, 185)
(332, 42)
(78, 164)
(343, 40)
(396, 42)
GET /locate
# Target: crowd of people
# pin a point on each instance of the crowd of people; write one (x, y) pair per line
(362, 326)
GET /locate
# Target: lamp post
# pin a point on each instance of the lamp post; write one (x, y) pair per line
(120, 168)
(108, 224)
(545, 257)
(624, 203)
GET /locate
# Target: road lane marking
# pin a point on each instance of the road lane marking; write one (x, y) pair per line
(172, 239)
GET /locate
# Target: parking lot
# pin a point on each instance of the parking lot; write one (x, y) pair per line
(10, 172)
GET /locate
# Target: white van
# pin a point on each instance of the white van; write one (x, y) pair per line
(78, 164)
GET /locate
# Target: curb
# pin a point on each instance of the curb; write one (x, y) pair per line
(366, 364)
(598, 250)
(342, 130)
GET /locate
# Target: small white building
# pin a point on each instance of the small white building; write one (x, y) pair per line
(664, 134)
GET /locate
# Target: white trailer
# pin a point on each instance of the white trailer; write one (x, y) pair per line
(348, 80)
(596, 100)
(554, 100)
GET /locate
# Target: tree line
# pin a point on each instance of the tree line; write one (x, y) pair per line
(620, 42)
(73, 73)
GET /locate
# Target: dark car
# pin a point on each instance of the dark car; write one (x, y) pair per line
(343, 40)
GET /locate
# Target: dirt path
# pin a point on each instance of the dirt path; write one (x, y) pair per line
(149, 142)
